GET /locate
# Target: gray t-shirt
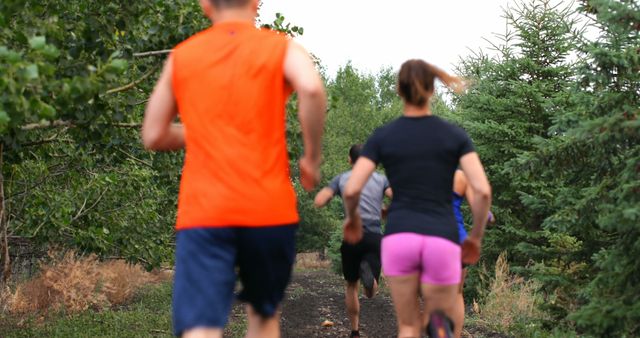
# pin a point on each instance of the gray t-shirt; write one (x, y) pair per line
(370, 207)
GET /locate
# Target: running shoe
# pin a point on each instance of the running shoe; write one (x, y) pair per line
(355, 334)
(439, 326)
(366, 276)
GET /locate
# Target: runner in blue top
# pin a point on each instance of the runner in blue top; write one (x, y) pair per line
(421, 250)
(461, 190)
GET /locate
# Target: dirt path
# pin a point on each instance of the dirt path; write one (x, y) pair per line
(318, 295)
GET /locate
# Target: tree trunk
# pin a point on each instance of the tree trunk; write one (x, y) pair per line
(5, 260)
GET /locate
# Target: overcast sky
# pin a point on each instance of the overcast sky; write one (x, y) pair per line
(373, 34)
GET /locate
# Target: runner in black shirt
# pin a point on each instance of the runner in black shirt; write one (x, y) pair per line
(420, 153)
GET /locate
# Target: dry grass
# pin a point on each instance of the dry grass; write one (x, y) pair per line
(510, 300)
(311, 260)
(76, 283)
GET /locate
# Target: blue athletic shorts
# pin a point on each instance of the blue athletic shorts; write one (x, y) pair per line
(205, 275)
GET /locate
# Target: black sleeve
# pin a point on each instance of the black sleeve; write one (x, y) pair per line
(465, 145)
(371, 149)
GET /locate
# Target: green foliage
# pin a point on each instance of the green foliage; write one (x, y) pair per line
(566, 179)
(279, 24)
(60, 59)
(333, 248)
(315, 224)
(72, 95)
(86, 204)
(592, 227)
(511, 105)
(360, 103)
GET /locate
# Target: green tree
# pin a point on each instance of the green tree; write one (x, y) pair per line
(74, 78)
(593, 227)
(511, 104)
(72, 88)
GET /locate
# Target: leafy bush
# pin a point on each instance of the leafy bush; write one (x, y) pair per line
(315, 224)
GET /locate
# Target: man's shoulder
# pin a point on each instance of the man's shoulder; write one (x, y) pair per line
(379, 179)
(338, 179)
(194, 39)
(378, 176)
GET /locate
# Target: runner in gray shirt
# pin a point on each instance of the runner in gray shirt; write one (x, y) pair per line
(360, 261)
(370, 206)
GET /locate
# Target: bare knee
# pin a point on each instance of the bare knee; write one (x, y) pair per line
(203, 332)
(262, 327)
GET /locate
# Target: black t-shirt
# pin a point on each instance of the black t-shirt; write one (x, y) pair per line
(420, 156)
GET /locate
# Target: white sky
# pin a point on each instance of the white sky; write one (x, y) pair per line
(373, 34)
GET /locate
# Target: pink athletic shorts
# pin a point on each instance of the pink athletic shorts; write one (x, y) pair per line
(436, 259)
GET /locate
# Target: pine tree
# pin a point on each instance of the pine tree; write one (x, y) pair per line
(594, 158)
(512, 104)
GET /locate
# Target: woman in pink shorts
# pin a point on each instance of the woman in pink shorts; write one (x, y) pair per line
(420, 152)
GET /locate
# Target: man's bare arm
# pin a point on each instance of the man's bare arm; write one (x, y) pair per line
(323, 197)
(301, 73)
(158, 130)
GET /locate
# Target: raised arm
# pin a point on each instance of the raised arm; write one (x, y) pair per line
(158, 130)
(301, 73)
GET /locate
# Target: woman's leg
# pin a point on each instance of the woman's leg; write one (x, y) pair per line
(441, 277)
(439, 298)
(404, 292)
(458, 316)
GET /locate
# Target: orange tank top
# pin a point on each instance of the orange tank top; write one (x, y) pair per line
(231, 93)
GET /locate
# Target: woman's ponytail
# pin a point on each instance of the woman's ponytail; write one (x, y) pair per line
(453, 82)
(416, 81)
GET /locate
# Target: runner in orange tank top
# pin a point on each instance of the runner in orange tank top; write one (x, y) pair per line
(236, 206)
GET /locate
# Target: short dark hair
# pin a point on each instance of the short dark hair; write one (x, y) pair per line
(228, 3)
(354, 152)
